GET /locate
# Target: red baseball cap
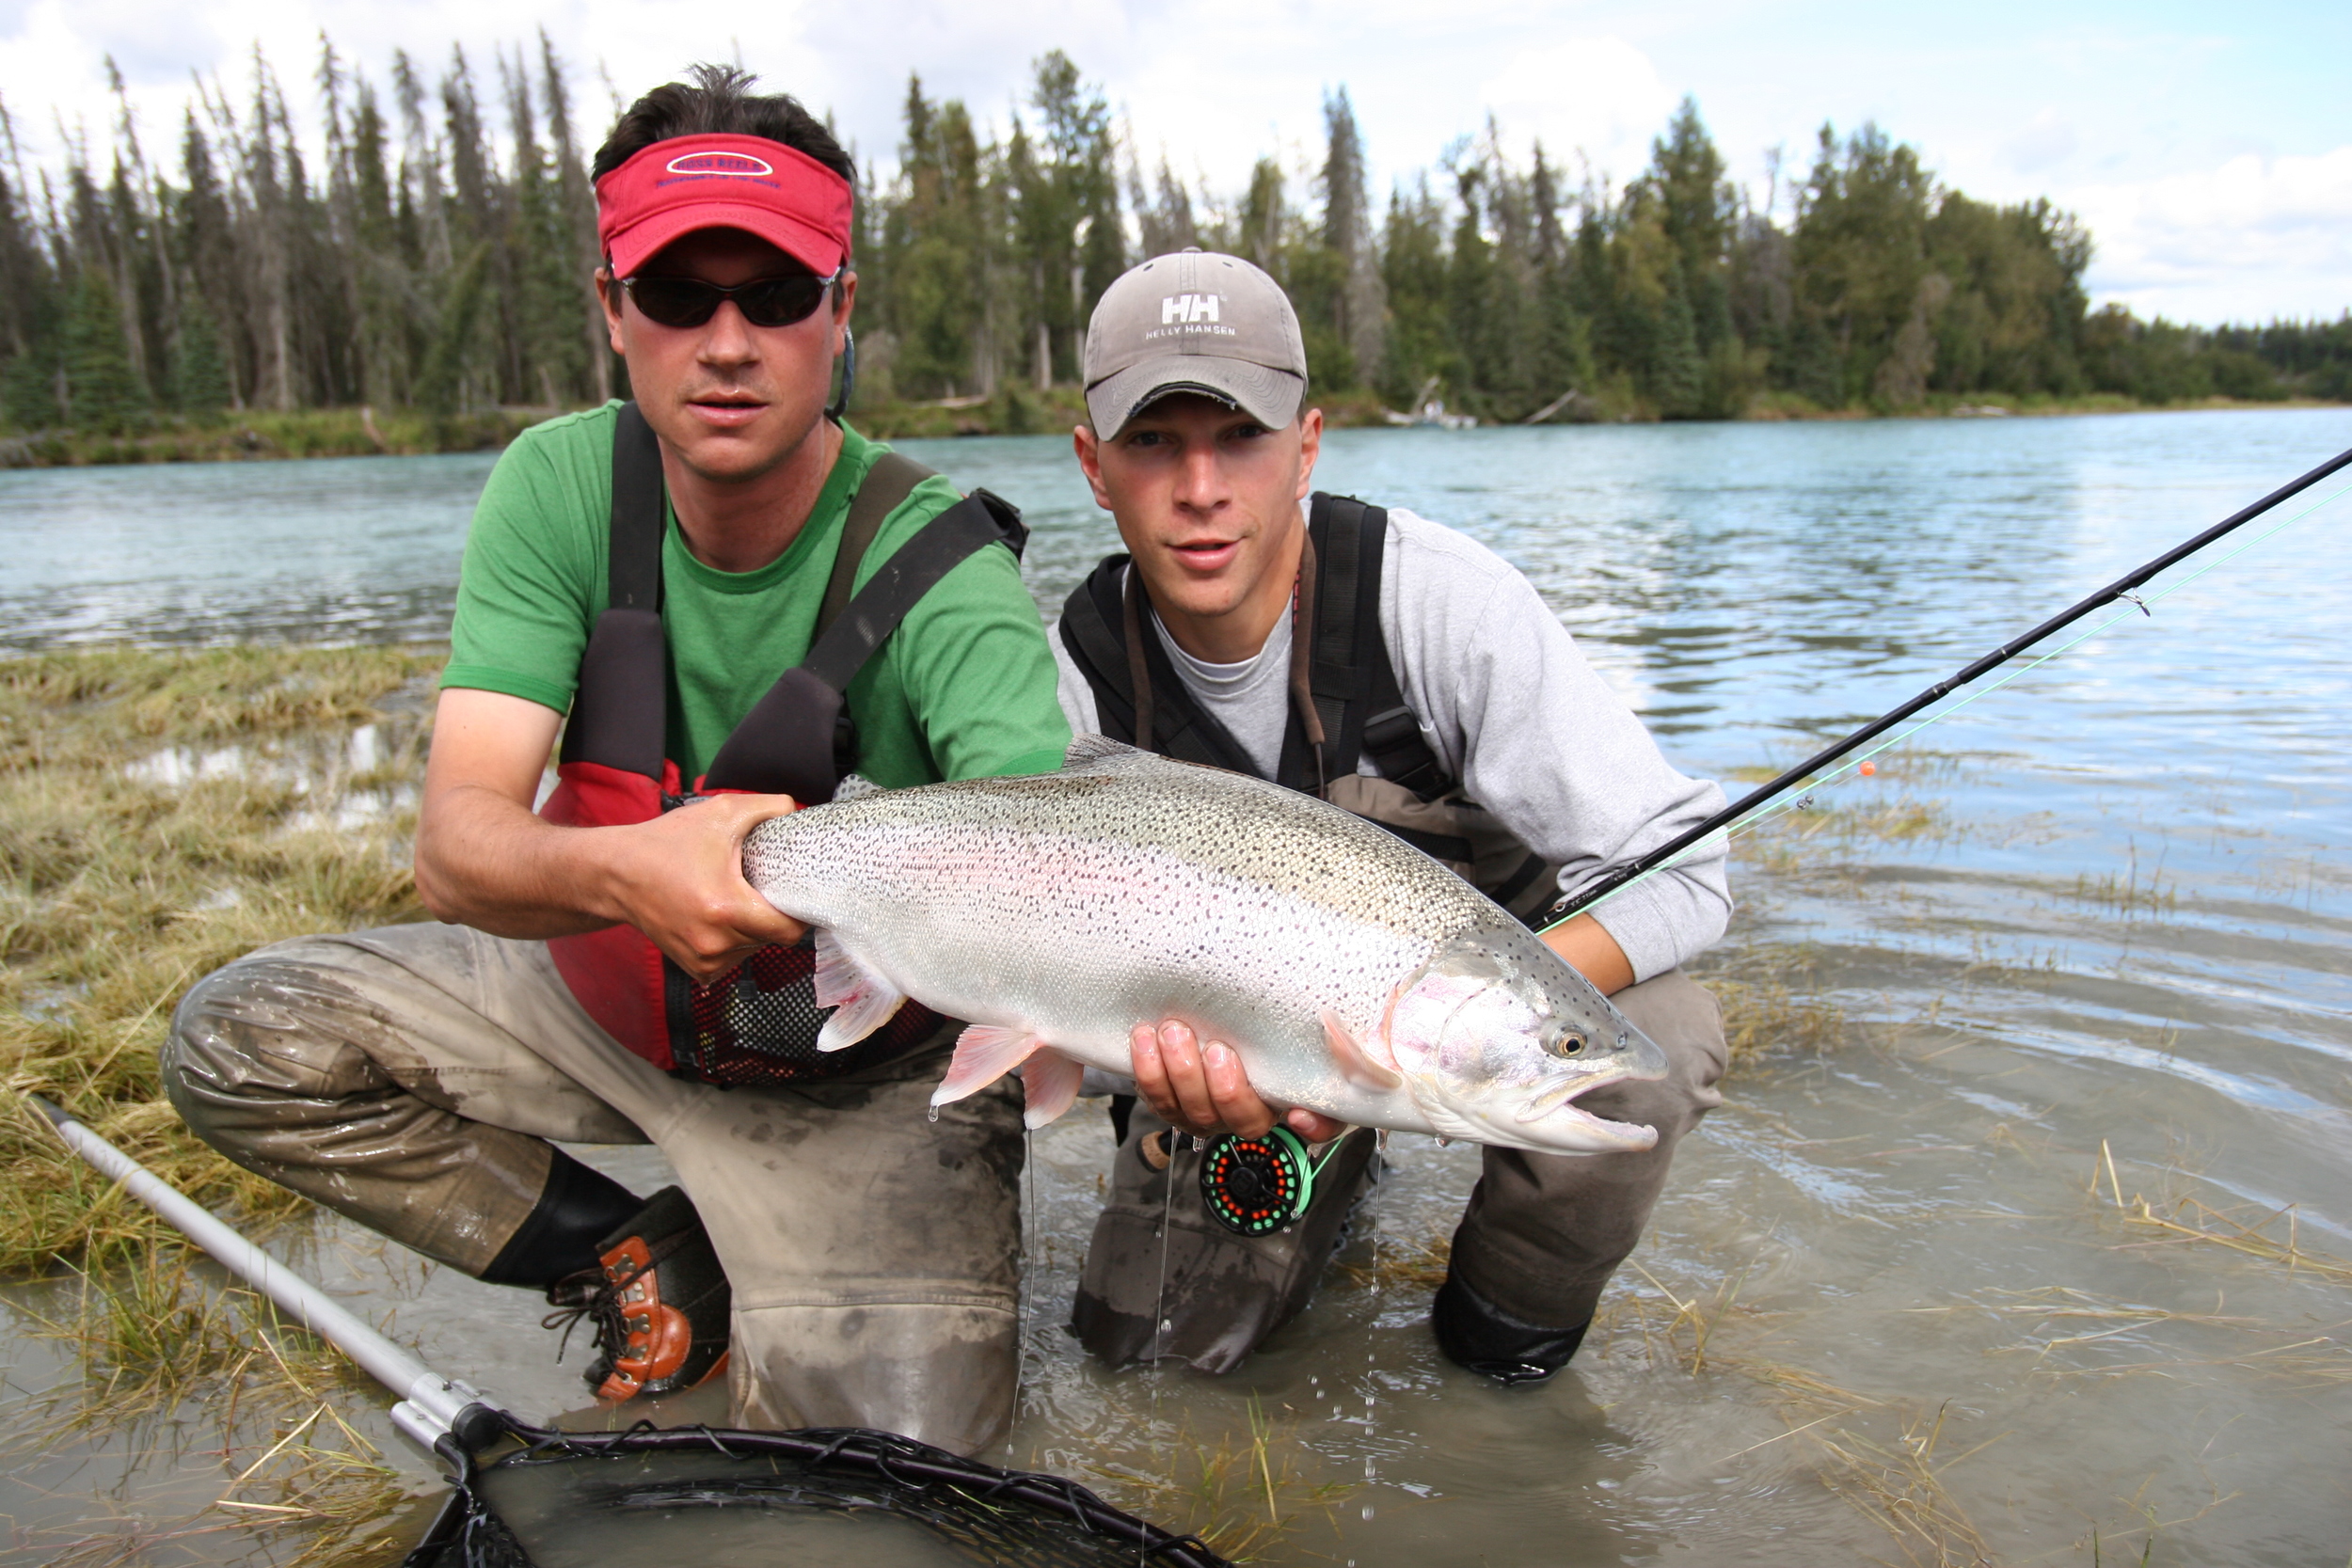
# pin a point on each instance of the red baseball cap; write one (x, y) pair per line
(764, 187)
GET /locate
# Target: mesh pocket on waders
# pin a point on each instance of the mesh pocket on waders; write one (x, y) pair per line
(762, 1500)
(757, 1024)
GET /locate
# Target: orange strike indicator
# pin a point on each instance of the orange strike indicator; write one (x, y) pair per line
(1868, 768)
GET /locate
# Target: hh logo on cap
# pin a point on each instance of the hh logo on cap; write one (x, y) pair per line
(1188, 307)
(738, 166)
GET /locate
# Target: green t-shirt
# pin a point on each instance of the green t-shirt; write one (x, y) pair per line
(964, 688)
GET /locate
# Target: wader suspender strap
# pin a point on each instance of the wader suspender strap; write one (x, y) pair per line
(888, 484)
(620, 713)
(796, 738)
(796, 741)
(1336, 644)
(1352, 678)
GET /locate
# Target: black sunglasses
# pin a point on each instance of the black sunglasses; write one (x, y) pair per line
(764, 301)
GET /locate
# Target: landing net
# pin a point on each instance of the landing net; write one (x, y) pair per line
(769, 1499)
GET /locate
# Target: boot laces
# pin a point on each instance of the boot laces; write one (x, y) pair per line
(595, 1293)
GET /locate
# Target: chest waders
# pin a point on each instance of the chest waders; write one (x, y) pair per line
(758, 1023)
(1345, 704)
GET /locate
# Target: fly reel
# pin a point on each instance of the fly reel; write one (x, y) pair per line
(1256, 1186)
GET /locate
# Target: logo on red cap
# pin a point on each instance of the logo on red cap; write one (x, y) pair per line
(740, 166)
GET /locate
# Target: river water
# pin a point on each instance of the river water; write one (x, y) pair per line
(2021, 1239)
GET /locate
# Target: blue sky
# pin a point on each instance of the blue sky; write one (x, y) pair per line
(2208, 148)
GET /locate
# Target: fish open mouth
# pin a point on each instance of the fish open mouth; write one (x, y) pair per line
(1626, 1134)
(1560, 1096)
(1555, 1110)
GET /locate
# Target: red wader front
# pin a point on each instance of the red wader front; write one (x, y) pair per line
(758, 1023)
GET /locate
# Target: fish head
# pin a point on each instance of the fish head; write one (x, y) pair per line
(1496, 1039)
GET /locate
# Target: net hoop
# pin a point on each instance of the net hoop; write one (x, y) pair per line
(466, 1518)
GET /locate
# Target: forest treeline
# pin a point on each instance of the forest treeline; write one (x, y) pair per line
(431, 250)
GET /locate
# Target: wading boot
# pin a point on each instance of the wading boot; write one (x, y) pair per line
(1474, 1333)
(658, 1300)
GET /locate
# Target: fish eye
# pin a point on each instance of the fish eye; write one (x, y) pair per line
(1568, 1045)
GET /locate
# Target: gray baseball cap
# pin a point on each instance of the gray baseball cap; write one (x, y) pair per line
(1195, 321)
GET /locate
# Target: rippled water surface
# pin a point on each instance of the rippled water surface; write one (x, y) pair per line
(2024, 1226)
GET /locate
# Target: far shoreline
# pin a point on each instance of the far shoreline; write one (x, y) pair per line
(268, 436)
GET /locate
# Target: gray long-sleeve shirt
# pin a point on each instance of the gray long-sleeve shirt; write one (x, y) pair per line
(1513, 710)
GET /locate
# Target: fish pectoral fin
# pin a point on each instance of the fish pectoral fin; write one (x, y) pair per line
(862, 1000)
(984, 1054)
(1355, 1066)
(1050, 1081)
(1381, 1047)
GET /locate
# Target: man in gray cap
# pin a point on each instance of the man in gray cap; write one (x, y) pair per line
(1404, 672)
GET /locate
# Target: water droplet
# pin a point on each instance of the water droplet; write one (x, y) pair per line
(933, 1114)
(1367, 1511)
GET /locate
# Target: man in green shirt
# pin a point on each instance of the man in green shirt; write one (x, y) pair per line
(672, 574)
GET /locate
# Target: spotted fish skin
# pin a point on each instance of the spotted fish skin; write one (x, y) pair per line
(1354, 975)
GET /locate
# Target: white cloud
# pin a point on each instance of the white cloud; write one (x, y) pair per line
(2044, 142)
(1599, 96)
(2251, 238)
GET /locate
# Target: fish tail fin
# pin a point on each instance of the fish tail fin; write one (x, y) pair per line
(984, 1054)
(1050, 1081)
(862, 1000)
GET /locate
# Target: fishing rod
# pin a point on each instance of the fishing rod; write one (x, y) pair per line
(1574, 904)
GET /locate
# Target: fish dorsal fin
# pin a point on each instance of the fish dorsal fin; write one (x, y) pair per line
(1097, 748)
(1100, 753)
(856, 786)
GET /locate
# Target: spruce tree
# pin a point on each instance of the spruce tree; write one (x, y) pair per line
(103, 393)
(28, 386)
(200, 370)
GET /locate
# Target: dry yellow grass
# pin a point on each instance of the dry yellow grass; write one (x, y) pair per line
(2189, 1221)
(1883, 1456)
(1241, 1497)
(1775, 1000)
(162, 812)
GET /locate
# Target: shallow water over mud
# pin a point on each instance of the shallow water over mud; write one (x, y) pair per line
(2024, 1225)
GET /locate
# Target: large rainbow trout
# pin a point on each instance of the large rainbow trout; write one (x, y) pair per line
(1354, 975)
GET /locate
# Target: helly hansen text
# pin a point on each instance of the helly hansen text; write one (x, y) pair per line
(1188, 307)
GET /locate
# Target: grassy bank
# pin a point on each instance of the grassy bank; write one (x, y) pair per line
(1013, 410)
(161, 814)
(264, 436)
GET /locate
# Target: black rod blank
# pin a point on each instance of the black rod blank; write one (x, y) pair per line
(1569, 906)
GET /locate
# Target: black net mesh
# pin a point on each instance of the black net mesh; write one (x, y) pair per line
(733, 1499)
(757, 1024)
